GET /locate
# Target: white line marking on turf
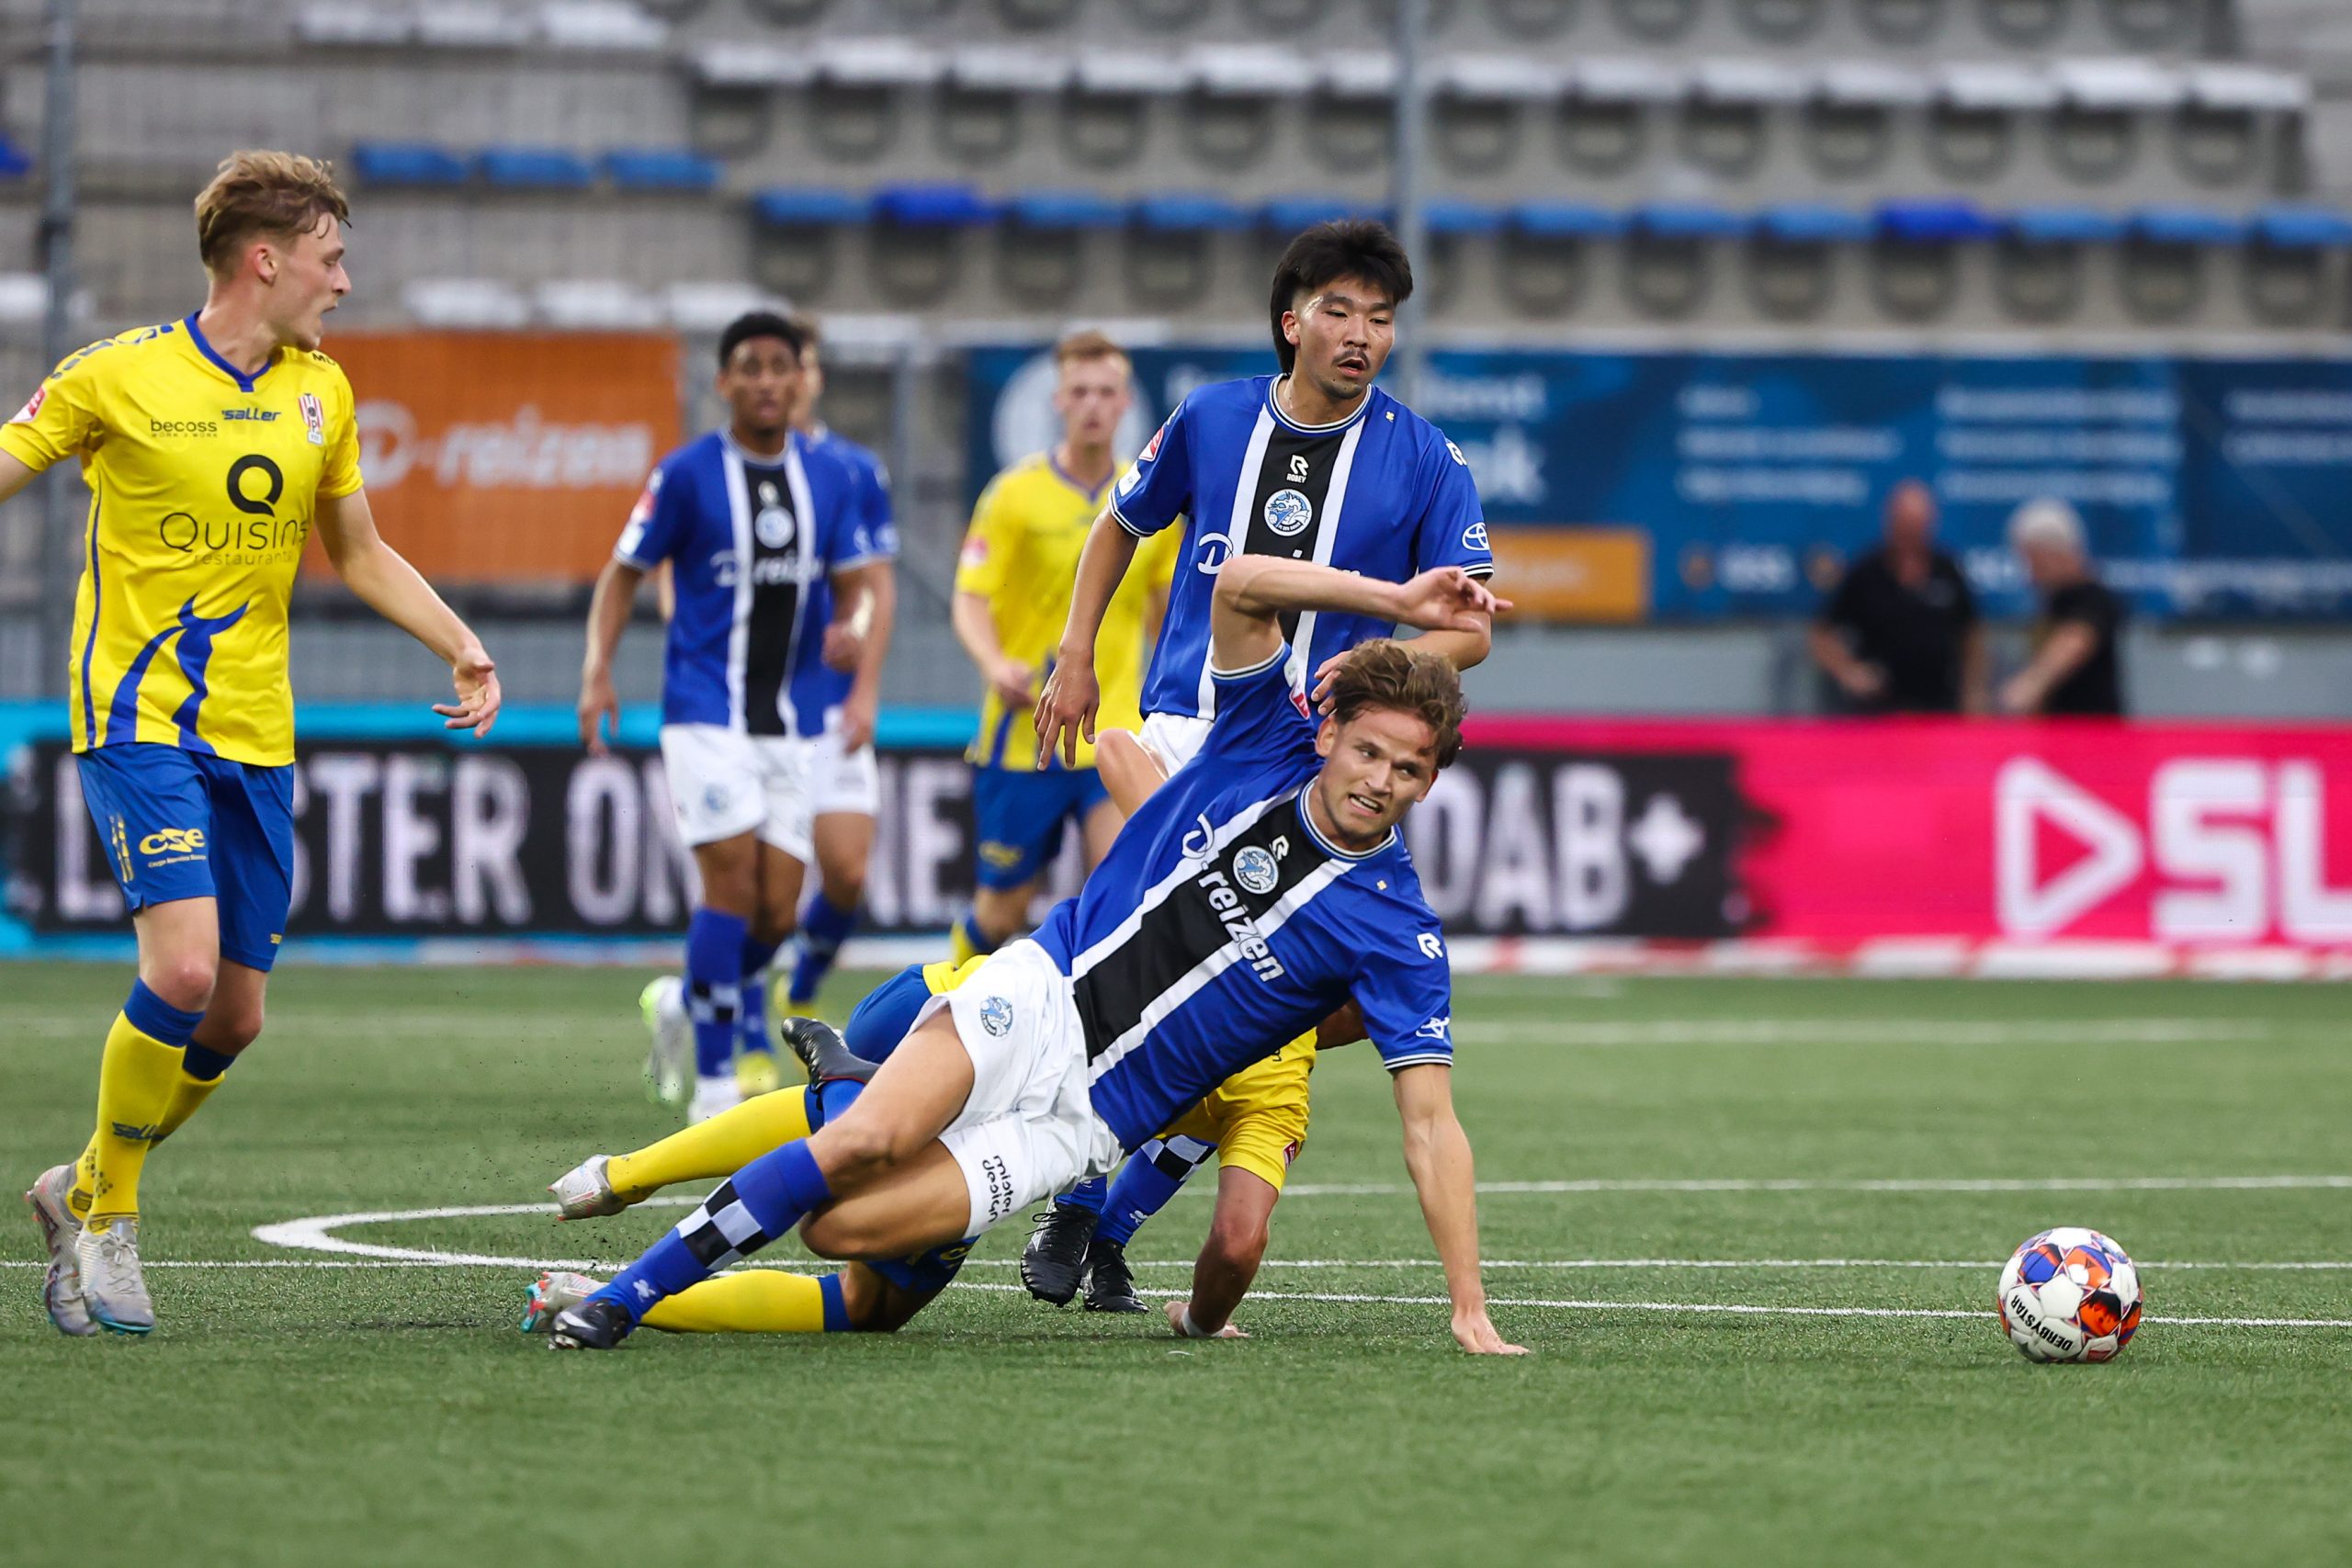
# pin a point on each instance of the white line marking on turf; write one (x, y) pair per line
(1806, 1184)
(1606, 1034)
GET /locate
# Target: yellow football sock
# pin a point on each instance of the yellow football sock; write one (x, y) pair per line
(189, 1096)
(85, 1177)
(718, 1147)
(135, 1082)
(757, 1301)
(960, 945)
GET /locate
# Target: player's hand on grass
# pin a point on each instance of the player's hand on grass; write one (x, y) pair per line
(476, 679)
(1447, 599)
(1474, 1334)
(1065, 711)
(600, 712)
(1177, 1325)
(858, 711)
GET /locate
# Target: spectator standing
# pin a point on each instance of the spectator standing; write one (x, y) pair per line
(2075, 669)
(1900, 634)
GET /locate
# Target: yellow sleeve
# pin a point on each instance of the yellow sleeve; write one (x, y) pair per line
(341, 476)
(60, 419)
(987, 556)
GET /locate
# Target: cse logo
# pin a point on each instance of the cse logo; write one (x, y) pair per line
(173, 842)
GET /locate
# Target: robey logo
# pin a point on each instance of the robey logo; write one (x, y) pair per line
(2238, 849)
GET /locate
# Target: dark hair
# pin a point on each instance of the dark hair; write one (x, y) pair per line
(759, 324)
(1385, 674)
(1345, 247)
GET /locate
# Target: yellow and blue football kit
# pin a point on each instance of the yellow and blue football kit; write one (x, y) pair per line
(204, 487)
(1020, 555)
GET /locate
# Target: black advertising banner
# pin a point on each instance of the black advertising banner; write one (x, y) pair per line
(421, 840)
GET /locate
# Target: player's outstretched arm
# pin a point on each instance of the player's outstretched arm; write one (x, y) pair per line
(608, 608)
(394, 590)
(1253, 592)
(15, 474)
(1437, 1153)
(1066, 707)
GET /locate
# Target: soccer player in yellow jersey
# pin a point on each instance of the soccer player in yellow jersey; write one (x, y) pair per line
(1013, 590)
(212, 446)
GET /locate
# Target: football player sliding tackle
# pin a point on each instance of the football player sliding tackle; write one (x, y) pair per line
(1248, 899)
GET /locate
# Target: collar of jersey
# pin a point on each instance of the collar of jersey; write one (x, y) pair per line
(1307, 819)
(1274, 406)
(204, 347)
(726, 439)
(1052, 467)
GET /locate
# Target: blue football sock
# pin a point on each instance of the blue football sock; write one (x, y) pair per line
(824, 925)
(751, 1207)
(752, 1016)
(715, 986)
(1152, 1176)
(836, 1307)
(1087, 1195)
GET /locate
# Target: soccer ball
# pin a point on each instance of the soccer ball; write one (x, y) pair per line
(2069, 1295)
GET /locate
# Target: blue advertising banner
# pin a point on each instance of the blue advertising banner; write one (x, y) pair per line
(2210, 488)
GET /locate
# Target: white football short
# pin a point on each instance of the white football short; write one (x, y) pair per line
(1028, 1130)
(1173, 738)
(723, 781)
(841, 780)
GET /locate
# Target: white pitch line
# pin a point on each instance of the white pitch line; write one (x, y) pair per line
(1800, 1184)
(1606, 1034)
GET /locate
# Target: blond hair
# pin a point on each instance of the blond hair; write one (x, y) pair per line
(260, 195)
(1083, 347)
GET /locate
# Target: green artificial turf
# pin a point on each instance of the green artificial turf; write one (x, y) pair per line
(370, 1414)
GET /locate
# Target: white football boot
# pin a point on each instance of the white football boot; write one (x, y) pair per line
(61, 1287)
(713, 1095)
(554, 1293)
(670, 1065)
(585, 1191)
(112, 1285)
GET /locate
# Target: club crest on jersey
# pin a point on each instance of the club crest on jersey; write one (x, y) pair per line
(773, 523)
(996, 1017)
(1254, 868)
(314, 418)
(1288, 513)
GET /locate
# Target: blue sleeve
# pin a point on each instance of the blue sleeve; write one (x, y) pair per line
(1156, 488)
(878, 530)
(1259, 718)
(1453, 529)
(1405, 991)
(657, 523)
(834, 491)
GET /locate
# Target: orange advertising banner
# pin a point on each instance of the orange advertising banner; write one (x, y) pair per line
(508, 457)
(1574, 575)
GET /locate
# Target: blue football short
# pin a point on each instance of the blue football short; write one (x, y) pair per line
(180, 824)
(1019, 818)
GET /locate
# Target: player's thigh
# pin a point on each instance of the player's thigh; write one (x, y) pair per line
(910, 1101)
(153, 814)
(1261, 1115)
(1100, 826)
(787, 818)
(780, 879)
(252, 859)
(922, 1202)
(844, 846)
(729, 872)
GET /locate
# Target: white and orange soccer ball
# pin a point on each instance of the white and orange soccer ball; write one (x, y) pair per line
(2069, 1295)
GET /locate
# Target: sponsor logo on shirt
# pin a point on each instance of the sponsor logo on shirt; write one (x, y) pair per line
(251, 416)
(1438, 1028)
(1475, 536)
(196, 429)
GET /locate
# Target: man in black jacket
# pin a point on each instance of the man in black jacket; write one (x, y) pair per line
(1900, 632)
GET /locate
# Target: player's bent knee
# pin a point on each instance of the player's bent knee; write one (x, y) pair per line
(231, 1031)
(185, 980)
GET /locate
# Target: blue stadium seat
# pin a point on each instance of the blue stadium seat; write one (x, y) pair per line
(1179, 213)
(408, 163)
(1064, 210)
(536, 168)
(2187, 226)
(1289, 214)
(1687, 221)
(1803, 223)
(661, 168)
(15, 161)
(2303, 228)
(1934, 222)
(1565, 220)
(811, 207)
(2065, 226)
(1449, 217)
(934, 206)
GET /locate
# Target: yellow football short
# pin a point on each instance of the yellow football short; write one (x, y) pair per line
(1256, 1118)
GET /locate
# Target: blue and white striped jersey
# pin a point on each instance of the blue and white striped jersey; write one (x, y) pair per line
(748, 539)
(1222, 924)
(1381, 493)
(817, 687)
